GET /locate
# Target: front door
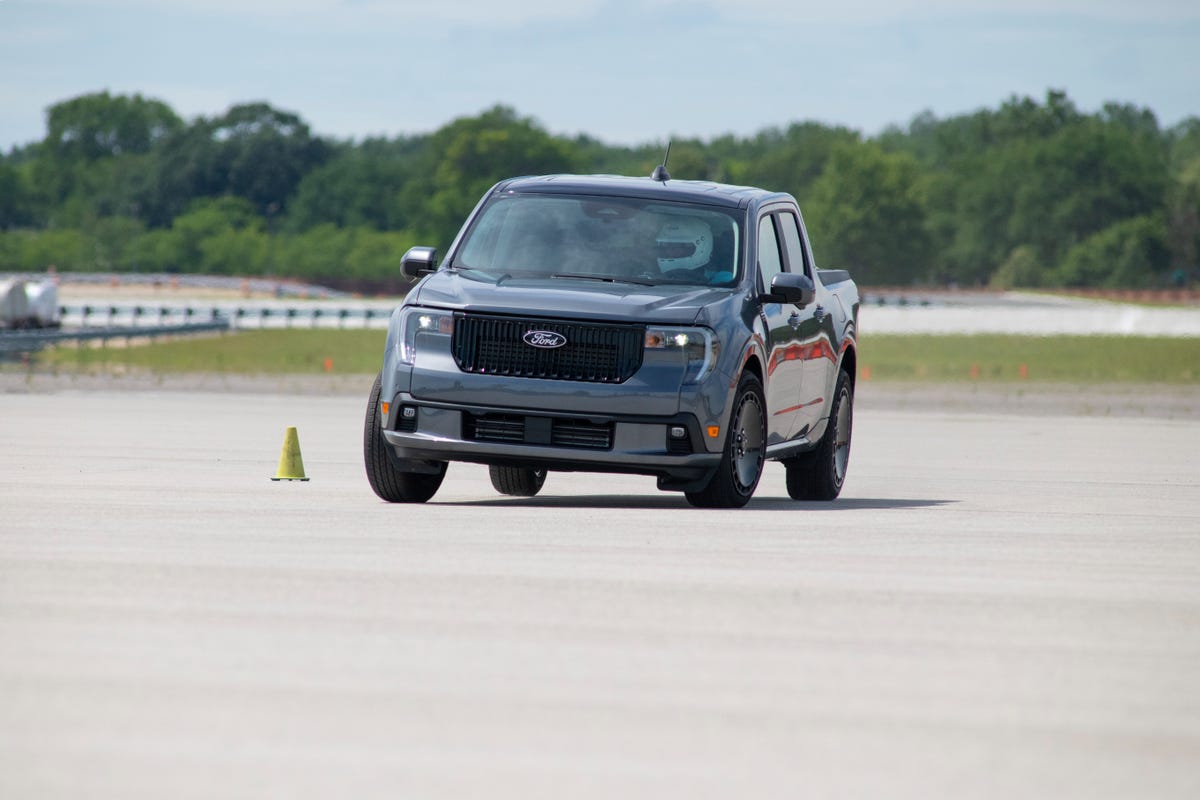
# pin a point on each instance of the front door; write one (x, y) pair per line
(784, 369)
(814, 334)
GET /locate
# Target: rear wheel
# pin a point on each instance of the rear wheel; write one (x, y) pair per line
(390, 483)
(517, 481)
(741, 464)
(819, 475)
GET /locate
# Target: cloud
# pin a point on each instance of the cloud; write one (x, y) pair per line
(622, 70)
(460, 12)
(810, 13)
(807, 18)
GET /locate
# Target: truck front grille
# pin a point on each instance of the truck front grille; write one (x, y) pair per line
(593, 352)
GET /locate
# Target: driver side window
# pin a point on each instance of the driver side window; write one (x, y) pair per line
(769, 262)
(797, 258)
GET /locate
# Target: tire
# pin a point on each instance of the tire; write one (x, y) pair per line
(736, 478)
(392, 484)
(517, 481)
(819, 475)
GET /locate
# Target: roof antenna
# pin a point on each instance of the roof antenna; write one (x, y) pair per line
(660, 172)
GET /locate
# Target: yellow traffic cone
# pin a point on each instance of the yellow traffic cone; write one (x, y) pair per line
(291, 466)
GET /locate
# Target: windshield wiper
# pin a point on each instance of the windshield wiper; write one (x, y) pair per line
(605, 278)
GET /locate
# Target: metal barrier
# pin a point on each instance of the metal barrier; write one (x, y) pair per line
(26, 341)
(129, 321)
(172, 282)
(239, 315)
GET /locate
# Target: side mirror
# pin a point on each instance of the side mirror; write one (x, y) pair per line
(789, 287)
(419, 261)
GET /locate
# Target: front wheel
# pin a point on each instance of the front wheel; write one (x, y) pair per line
(517, 481)
(745, 450)
(390, 483)
(819, 475)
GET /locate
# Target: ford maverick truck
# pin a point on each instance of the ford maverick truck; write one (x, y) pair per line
(669, 328)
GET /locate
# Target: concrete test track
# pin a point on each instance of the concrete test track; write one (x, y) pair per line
(999, 606)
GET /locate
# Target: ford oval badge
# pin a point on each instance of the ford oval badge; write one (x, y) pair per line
(546, 340)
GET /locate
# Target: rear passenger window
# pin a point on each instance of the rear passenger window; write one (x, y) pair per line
(794, 245)
(769, 262)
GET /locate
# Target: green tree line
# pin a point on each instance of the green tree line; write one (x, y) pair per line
(1032, 193)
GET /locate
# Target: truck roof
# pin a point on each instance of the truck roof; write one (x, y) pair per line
(716, 194)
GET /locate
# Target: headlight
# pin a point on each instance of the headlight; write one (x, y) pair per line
(416, 321)
(698, 346)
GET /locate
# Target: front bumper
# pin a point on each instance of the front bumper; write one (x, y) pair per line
(422, 431)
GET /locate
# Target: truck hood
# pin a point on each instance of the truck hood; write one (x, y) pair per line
(567, 298)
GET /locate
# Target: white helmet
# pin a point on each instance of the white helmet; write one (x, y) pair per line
(683, 243)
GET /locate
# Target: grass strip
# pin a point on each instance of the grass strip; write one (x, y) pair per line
(1005, 358)
(268, 352)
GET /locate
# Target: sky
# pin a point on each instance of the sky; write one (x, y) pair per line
(622, 71)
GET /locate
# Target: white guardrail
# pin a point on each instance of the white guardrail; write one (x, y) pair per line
(102, 322)
(1022, 313)
(28, 341)
(239, 314)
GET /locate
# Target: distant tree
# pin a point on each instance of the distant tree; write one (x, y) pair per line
(100, 125)
(264, 153)
(92, 161)
(214, 233)
(1183, 223)
(691, 160)
(360, 185)
(1032, 192)
(1021, 269)
(315, 253)
(1131, 253)
(1183, 201)
(374, 256)
(66, 249)
(253, 151)
(113, 237)
(17, 204)
(157, 250)
(592, 155)
(1086, 178)
(865, 212)
(185, 169)
(1034, 175)
(791, 160)
(464, 158)
(1184, 141)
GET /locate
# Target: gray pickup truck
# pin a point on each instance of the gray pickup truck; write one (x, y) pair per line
(610, 324)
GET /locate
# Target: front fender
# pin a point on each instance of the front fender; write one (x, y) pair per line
(395, 377)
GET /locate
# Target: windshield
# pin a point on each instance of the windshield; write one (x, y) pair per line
(602, 238)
